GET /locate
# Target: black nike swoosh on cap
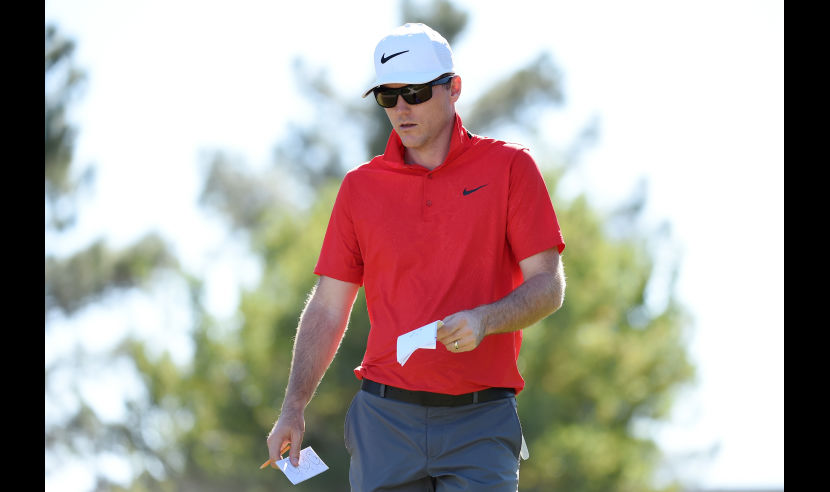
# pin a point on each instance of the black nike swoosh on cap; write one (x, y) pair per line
(384, 58)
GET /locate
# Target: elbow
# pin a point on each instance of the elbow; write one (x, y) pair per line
(556, 285)
(551, 297)
(557, 297)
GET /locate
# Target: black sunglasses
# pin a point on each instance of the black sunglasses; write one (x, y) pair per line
(412, 94)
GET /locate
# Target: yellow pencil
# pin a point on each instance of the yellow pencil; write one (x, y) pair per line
(273, 463)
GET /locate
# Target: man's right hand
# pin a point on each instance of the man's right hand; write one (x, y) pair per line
(288, 429)
(319, 333)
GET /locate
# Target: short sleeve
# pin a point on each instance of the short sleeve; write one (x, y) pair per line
(532, 226)
(340, 255)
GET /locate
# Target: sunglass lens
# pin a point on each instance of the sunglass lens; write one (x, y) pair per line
(418, 95)
(387, 99)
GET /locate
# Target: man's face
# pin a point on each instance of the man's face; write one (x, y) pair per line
(419, 125)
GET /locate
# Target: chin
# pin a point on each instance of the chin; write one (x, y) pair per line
(410, 140)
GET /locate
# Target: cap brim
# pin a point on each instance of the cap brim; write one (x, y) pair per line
(404, 78)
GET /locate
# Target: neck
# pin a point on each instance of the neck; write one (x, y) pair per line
(432, 155)
(430, 158)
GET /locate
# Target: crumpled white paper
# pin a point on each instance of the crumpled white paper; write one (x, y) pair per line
(419, 338)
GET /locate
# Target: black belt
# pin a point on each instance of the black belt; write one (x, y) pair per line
(428, 399)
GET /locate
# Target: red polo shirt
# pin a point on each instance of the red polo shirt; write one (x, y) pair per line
(426, 244)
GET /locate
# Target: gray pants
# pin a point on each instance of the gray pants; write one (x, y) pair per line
(403, 447)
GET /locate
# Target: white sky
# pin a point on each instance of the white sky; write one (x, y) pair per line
(689, 96)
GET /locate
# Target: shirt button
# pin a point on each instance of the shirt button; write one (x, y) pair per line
(429, 203)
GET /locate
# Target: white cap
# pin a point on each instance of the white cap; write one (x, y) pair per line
(411, 54)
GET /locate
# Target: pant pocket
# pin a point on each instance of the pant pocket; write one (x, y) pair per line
(517, 433)
(347, 425)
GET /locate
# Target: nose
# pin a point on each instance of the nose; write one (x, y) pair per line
(401, 104)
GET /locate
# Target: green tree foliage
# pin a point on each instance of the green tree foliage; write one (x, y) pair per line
(86, 275)
(63, 80)
(606, 362)
(600, 365)
(76, 280)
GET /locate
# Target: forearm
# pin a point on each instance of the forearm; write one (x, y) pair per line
(536, 298)
(319, 334)
(321, 328)
(541, 293)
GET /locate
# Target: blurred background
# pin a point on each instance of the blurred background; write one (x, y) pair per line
(193, 150)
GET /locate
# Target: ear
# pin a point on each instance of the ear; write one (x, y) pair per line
(455, 88)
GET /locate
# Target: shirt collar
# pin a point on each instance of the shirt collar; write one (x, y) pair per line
(459, 141)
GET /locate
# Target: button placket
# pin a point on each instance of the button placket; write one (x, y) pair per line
(428, 201)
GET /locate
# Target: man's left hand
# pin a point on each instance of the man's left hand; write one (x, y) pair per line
(462, 331)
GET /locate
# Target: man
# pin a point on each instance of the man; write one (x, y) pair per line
(448, 226)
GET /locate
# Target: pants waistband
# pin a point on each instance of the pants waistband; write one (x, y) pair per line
(428, 399)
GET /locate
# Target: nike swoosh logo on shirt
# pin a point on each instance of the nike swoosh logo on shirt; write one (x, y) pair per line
(384, 58)
(467, 192)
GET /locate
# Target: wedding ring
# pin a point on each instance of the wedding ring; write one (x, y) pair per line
(456, 345)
